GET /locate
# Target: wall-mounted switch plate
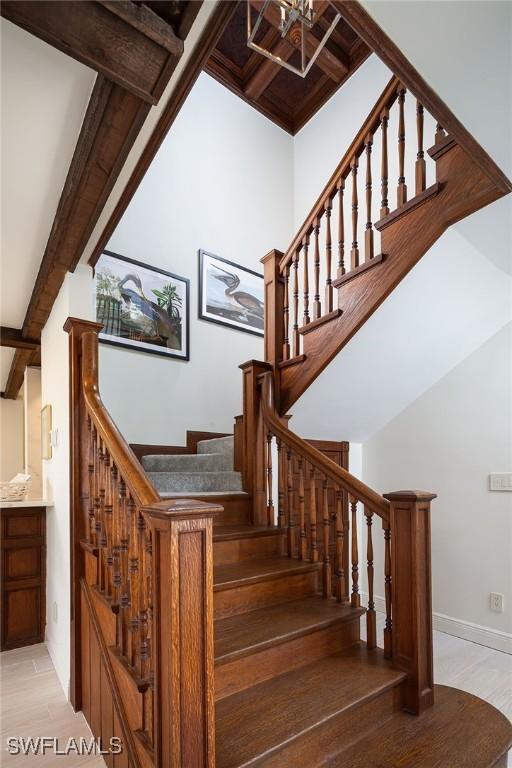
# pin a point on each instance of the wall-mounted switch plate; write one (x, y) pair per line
(500, 481)
(496, 601)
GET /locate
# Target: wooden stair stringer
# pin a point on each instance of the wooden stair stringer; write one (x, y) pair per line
(464, 189)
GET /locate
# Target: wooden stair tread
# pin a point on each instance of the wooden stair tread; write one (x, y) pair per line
(252, 571)
(459, 731)
(246, 633)
(262, 719)
(229, 532)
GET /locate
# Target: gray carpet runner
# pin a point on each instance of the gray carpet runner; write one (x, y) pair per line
(208, 471)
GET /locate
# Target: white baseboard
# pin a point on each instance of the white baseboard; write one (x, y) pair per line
(467, 630)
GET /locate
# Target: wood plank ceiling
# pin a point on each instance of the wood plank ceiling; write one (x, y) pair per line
(283, 96)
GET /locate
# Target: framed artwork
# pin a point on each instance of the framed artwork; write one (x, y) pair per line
(46, 430)
(230, 294)
(142, 307)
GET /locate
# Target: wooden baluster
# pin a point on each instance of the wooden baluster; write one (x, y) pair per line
(123, 569)
(95, 494)
(354, 254)
(99, 509)
(145, 622)
(340, 540)
(303, 542)
(270, 501)
(421, 168)
(305, 246)
(388, 627)
(290, 504)
(91, 525)
(401, 195)
(296, 337)
(313, 515)
(104, 503)
(355, 598)
(368, 235)
(327, 587)
(109, 517)
(384, 120)
(328, 256)
(341, 229)
(371, 620)
(134, 584)
(281, 512)
(317, 306)
(286, 313)
(143, 595)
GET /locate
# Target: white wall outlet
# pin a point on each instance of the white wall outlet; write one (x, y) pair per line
(496, 602)
(500, 481)
(55, 613)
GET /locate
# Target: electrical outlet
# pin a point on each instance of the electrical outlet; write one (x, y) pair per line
(496, 601)
(55, 613)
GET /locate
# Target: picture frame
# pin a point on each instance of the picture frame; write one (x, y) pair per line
(142, 307)
(230, 294)
(46, 432)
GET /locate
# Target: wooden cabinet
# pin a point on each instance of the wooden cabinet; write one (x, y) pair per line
(23, 572)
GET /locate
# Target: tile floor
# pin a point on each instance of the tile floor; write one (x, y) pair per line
(33, 702)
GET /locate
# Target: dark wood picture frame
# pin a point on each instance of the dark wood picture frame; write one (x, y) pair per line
(226, 322)
(185, 313)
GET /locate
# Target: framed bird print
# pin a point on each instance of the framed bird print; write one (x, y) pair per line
(230, 294)
(142, 307)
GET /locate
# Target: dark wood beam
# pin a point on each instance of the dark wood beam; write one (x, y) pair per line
(22, 358)
(368, 29)
(12, 337)
(220, 17)
(127, 43)
(267, 69)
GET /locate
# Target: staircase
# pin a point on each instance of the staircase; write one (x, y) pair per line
(218, 611)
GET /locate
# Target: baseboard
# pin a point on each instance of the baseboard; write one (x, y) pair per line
(467, 630)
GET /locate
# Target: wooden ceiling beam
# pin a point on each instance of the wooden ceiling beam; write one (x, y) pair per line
(267, 69)
(127, 43)
(22, 358)
(12, 337)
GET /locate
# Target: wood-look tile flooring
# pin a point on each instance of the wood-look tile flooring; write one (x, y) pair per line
(33, 702)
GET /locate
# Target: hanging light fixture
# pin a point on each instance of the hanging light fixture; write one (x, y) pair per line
(297, 18)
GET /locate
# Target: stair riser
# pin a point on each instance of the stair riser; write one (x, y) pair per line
(317, 745)
(241, 550)
(237, 511)
(241, 599)
(249, 670)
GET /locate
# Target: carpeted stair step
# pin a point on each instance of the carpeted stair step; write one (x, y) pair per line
(217, 445)
(196, 482)
(204, 462)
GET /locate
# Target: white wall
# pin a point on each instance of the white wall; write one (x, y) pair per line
(11, 438)
(32, 429)
(222, 181)
(75, 299)
(447, 442)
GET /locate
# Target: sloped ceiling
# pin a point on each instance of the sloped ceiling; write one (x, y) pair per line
(44, 97)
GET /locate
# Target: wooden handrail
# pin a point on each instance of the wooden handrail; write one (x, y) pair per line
(370, 498)
(371, 123)
(125, 460)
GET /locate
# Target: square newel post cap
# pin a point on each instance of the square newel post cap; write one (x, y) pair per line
(412, 497)
(173, 509)
(273, 254)
(79, 325)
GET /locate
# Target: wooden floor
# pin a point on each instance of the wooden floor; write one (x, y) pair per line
(33, 702)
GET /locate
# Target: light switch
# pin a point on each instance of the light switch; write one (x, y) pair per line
(500, 481)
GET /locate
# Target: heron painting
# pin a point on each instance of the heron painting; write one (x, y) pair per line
(142, 307)
(230, 294)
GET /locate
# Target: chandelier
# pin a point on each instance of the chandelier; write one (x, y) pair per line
(296, 19)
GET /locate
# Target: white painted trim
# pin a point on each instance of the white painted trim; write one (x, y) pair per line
(467, 630)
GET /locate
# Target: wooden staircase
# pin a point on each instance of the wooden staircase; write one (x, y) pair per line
(225, 630)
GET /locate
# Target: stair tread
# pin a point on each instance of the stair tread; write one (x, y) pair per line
(459, 731)
(229, 532)
(251, 724)
(226, 576)
(246, 633)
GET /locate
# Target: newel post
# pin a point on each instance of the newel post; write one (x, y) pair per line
(254, 440)
(274, 307)
(412, 594)
(182, 643)
(79, 491)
